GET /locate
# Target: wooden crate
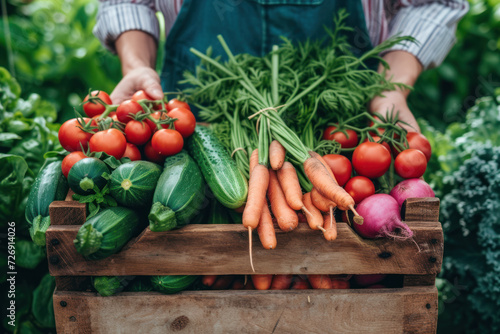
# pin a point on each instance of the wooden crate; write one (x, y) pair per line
(223, 249)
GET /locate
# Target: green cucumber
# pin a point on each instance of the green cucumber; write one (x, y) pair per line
(172, 283)
(87, 174)
(219, 214)
(50, 185)
(107, 232)
(133, 184)
(226, 181)
(110, 285)
(179, 194)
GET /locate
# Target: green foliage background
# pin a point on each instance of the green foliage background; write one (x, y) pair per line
(54, 54)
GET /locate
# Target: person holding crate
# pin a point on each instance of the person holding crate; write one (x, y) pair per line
(130, 28)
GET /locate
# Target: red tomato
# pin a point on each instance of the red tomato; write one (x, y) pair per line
(156, 115)
(359, 187)
(110, 141)
(340, 166)
(167, 142)
(345, 142)
(174, 103)
(141, 95)
(93, 108)
(419, 142)
(153, 155)
(376, 139)
(137, 132)
(70, 160)
(125, 108)
(71, 135)
(185, 123)
(371, 159)
(132, 152)
(410, 163)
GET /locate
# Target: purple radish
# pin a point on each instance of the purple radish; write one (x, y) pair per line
(411, 188)
(382, 218)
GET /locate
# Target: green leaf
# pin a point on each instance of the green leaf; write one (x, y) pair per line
(28, 255)
(13, 192)
(7, 139)
(27, 327)
(42, 307)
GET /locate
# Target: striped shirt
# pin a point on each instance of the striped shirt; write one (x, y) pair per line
(431, 23)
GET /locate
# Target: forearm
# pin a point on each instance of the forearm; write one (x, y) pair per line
(136, 49)
(404, 68)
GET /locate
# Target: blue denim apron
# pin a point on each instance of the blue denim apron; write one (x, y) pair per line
(252, 26)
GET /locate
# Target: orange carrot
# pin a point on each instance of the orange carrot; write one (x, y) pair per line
(330, 227)
(320, 281)
(299, 283)
(324, 163)
(208, 280)
(319, 201)
(314, 218)
(328, 189)
(265, 229)
(262, 282)
(254, 159)
(281, 282)
(257, 188)
(287, 218)
(326, 184)
(289, 182)
(223, 282)
(276, 155)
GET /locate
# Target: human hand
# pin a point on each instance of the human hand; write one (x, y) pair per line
(139, 78)
(395, 100)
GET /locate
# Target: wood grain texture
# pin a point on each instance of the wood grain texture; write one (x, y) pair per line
(406, 310)
(67, 213)
(223, 250)
(420, 209)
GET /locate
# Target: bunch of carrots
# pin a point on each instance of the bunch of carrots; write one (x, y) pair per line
(275, 282)
(279, 186)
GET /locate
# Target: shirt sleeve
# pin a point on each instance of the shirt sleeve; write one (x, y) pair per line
(432, 23)
(117, 16)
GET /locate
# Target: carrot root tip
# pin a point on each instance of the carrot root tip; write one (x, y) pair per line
(250, 247)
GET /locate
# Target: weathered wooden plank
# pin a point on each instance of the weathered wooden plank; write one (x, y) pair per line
(223, 250)
(406, 310)
(67, 213)
(421, 209)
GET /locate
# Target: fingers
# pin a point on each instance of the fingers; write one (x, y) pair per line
(140, 78)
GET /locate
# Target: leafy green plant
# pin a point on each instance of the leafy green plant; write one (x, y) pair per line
(471, 70)
(465, 173)
(26, 133)
(54, 52)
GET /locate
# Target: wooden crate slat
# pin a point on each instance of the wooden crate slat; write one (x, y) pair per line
(67, 213)
(223, 249)
(406, 310)
(420, 209)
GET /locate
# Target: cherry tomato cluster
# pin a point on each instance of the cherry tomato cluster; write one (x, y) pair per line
(139, 128)
(372, 159)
